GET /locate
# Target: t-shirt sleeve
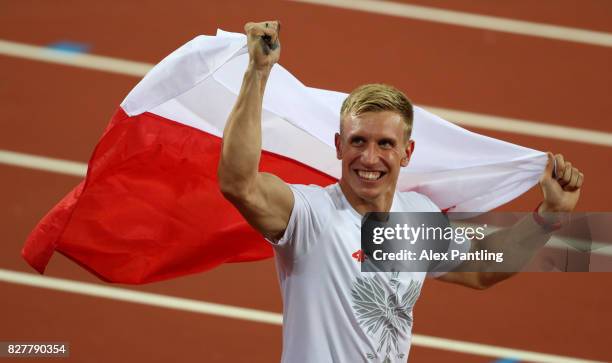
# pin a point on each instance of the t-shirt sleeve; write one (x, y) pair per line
(306, 220)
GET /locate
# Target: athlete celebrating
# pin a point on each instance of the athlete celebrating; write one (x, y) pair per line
(332, 311)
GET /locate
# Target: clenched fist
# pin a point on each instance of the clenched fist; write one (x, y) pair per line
(264, 45)
(561, 184)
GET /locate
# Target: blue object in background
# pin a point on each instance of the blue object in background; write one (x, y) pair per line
(70, 47)
(506, 360)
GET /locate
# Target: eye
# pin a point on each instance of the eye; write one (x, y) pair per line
(386, 144)
(357, 141)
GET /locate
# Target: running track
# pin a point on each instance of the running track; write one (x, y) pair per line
(59, 111)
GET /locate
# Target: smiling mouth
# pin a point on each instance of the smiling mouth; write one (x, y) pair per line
(370, 175)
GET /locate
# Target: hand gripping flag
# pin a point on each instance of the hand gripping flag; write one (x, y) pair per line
(150, 207)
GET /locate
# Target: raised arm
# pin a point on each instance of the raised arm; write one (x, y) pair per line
(520, 242)
(263, 199)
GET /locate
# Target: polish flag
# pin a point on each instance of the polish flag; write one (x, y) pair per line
(150, 207)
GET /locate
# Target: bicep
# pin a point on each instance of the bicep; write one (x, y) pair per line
(267, 205)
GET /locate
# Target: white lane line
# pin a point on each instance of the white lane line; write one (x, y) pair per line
(471, 20)
(145, 298)
(483, 121)
(97, 62)
(35, 162)
(531, 128)
(491, 350)
(259, 316)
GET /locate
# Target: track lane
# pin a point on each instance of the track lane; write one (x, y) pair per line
(224, 285)
(34, 192)
(564, 313)
(419, 339)
(100, 330)
(590, 14)
(436, 62)
(57, 110)
(135, 34)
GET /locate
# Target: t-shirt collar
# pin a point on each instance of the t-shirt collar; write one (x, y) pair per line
(355, 216)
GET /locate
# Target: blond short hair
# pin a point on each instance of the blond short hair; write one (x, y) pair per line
(375, 98)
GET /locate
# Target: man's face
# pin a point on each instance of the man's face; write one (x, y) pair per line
(372, 149)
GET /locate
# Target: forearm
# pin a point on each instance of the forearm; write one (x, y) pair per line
(241, 149)
(518, 243)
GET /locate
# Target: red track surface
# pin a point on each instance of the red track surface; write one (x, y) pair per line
(60, 111)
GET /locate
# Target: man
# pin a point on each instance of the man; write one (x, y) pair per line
(332, 311)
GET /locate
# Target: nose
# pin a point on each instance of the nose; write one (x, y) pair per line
(369, 156)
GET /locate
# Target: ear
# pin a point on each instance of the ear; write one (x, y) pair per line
(409, 150)
(338, 142)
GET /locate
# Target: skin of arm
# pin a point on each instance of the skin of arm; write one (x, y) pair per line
(520, 242)
(263, 199)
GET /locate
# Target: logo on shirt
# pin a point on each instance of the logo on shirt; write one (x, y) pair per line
(446, 210)
(359, 255)
(383, 309)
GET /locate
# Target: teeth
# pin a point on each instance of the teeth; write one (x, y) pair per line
(370, 175)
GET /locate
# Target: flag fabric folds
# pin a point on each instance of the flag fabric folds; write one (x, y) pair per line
(150, 208)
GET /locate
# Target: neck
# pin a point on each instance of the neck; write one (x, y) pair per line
(380, 204)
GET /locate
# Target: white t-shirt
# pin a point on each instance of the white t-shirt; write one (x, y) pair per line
(332, 312)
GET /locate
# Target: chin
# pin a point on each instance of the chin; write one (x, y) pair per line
(367, 192)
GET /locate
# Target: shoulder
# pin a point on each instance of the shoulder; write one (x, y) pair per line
(416, 202)
(314, 196)
(311, 211)
(311, 190)
(307, 189)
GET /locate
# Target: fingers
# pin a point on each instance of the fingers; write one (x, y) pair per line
(265, 33)
(565, 174)
(265, 28)
(548, 176)
(580, 180)
(273, 30)
(569, 177)
(576, 180)
(559, 165)
(550, 164)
